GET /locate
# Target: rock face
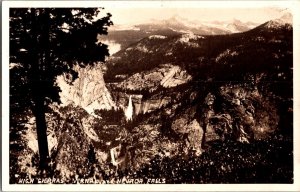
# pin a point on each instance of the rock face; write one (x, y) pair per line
(177, 102)
(87, 91)
(181, 94)
(245, 115)
(174, 77)
(166, 75)
(153, 104)
(191, 133)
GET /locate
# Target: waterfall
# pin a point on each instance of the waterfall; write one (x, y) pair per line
(112, 155)
(129, 110)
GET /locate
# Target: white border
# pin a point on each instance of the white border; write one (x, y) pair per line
(293, 5)
(153, 4)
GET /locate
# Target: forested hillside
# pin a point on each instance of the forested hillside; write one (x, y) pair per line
(178, 107)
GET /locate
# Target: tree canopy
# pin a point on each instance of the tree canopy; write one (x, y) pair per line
(45, 43)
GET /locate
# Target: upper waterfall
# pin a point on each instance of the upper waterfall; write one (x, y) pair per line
(129, 110)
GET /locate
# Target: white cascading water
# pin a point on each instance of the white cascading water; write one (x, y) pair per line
(129, 110)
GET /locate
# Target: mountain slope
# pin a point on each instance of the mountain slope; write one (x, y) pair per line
(122, 36)
(254, 67)
(179, 107)
(194, 51)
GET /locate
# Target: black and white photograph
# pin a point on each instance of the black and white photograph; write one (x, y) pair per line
(160, 92)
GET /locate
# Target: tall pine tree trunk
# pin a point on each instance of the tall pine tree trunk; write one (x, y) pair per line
(41, 127)
(38, 88)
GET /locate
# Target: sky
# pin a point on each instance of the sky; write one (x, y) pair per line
(130, 15)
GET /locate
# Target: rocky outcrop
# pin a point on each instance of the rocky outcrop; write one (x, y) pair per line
(240, 91)
(240, 113)
(74, 152)
(190, 132)
(87, 91)
(231, 112)
(166, 75)
(175, 76)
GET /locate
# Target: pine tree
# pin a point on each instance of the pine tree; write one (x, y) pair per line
(45, 43)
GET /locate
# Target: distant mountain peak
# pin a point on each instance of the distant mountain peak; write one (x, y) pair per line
(236, 21)
(275, 24)
(283, 21)
(176, 16)
(287, 18)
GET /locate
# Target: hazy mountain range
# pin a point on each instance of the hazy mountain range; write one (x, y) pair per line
(121, 36)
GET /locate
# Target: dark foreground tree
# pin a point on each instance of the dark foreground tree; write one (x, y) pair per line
(45, 43)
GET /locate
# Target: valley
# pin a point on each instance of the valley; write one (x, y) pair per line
(186, 105)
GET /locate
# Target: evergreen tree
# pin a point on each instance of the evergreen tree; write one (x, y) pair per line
(45, 43)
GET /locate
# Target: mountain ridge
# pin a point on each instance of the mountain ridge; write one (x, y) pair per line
(183, 92)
